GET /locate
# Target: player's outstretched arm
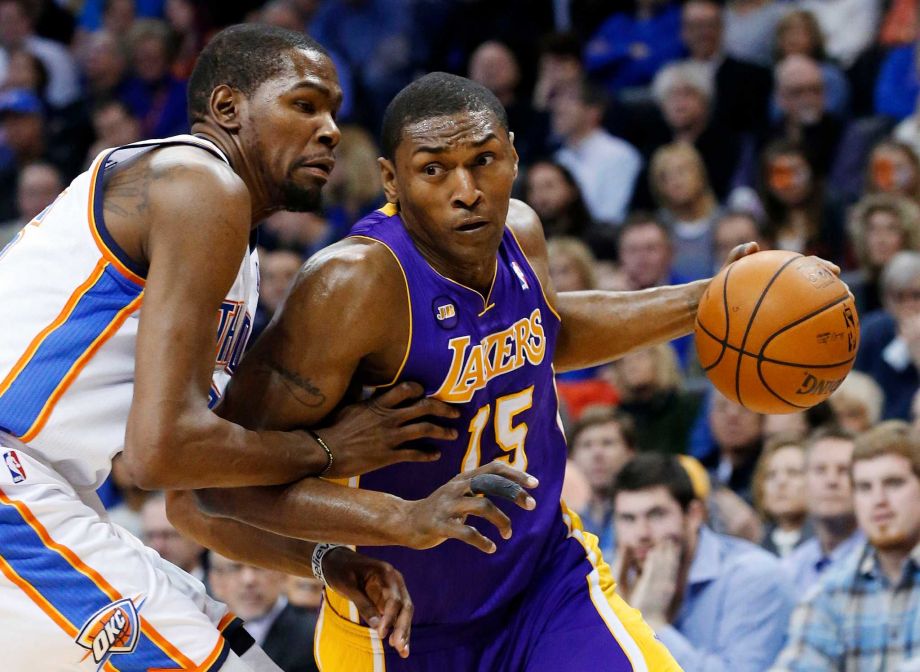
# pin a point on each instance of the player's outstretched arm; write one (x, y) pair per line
(196, 218)
(600, 326)
(315, 509)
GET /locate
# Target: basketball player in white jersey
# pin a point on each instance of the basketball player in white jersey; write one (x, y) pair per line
(111, 298)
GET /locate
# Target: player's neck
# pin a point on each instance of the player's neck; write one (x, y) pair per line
(477, 276)
(228, 144)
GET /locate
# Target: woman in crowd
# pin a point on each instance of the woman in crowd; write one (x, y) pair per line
(688, 206)
(893, 168)
(881, 225)
(780, 495)
(857, 403)
(803, 215)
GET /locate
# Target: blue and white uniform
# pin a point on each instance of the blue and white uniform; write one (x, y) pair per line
(76, 591)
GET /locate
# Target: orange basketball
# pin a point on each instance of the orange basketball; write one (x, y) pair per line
(776, 332)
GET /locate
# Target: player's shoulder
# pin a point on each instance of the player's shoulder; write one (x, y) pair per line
(183, 171)
(527, 228)
(363, 270)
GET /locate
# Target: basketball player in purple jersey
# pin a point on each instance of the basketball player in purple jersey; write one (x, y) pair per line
(448, 285)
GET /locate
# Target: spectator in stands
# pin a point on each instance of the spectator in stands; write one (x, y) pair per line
(39, 184)
(741, 90)
(645, 252)
(495, 66)
(802, 214)
(780, 494)
(374, 39)
(683, 92)
(630, 47)
(915, 411)
(864, 614)
(881, 225)
(305, 592)
(908, 131)
(604, 166)
(571, 265)
(687, 205)
(828, 457)
(715, 601)
(889, 348)
(602, 441)
(849, 26)
(857, 403)
(894, 168)
(733, 228)
(276, 272)
(154, 95)
(114, 126)
(792, 424)
(737, 433)
(650, 387)
(104, 60)
(804, 116)
(558, 70)
(283, 631)
(160, 535)
(17, 31)
(798, 34)
(190, 24)
(304, 232)
(26, 139)
(749, 29)
(354, 187)
(26, 71)
(552, 192)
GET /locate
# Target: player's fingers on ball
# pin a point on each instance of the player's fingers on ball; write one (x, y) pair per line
(469, 535)
(483, 508)
(399, 394)
(425, 430)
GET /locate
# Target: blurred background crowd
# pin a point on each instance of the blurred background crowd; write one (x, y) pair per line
(654, 136)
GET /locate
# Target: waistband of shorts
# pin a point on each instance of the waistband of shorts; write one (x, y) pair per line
(430, 637)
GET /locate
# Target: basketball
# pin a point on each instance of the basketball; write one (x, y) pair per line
(776, 332)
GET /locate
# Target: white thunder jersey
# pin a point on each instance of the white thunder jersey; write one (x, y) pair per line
(71, 299)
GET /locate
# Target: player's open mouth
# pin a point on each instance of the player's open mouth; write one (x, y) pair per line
(473, 224)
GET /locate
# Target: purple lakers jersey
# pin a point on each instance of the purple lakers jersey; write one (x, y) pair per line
(492, 357)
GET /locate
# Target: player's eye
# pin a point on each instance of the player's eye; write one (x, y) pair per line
(485, 159)
(306, 106)
(433, 170)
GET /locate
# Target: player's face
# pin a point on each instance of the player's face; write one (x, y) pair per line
(291, 128)
(828, 478)
(452, 178)
(644, 518)
(886, 494)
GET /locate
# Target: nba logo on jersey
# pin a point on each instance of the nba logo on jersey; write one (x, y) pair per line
(112, 629)
(520, 274)
(15, 466)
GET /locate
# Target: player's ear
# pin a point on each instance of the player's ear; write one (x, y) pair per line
(514, 153)
(388, 178)
(225, 107)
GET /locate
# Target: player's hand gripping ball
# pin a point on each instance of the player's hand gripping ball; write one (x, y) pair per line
(777, 332)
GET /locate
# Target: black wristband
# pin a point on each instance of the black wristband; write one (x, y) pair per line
(322, 444)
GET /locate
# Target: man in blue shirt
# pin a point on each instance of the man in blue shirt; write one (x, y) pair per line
(828, 458)
(865, 613)
(716, 602)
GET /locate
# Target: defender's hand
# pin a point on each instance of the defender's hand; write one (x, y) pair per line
(378, 591)
(368, 435)
(442, 515)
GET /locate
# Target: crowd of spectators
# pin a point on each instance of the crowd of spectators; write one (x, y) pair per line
(654, 136)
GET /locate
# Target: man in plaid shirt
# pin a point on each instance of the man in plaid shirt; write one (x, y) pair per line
(865, 613)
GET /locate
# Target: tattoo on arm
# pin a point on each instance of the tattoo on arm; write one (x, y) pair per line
(301, 388)
(127, 193)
